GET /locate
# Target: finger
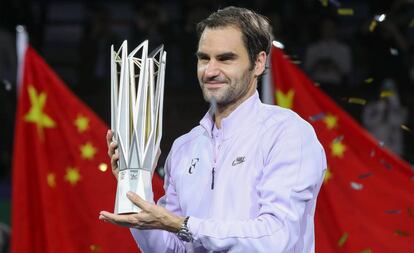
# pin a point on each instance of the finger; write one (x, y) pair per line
(114, 160)
(109, 135)
(123, 220)
(137, 200)
(112, 147)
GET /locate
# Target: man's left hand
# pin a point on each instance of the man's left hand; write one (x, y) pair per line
(151, 216)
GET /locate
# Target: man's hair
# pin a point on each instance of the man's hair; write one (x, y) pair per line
(255, 28)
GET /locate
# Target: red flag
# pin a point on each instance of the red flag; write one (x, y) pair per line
(61, 175)
(366, 203)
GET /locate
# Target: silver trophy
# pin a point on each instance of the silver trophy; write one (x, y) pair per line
(137, 95)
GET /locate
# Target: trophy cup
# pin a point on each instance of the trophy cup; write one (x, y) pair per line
(137, 95)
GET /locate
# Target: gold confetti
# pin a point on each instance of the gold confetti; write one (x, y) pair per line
(358, 101)
(404, 127)
(343, 239)
(401, 233)
(103, 167)
(386, 94)
(372, 25)
(296, 62)
(345, 11)
(369, 80)
(95, 248)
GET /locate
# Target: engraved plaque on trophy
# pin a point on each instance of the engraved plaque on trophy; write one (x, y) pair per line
(137, 95)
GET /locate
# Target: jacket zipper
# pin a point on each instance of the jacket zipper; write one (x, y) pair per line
(213, 171)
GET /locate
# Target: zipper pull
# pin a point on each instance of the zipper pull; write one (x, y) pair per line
(213, 171)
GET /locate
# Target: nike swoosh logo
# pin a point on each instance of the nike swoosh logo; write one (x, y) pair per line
(238, 160)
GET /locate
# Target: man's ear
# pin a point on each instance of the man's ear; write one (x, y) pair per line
(260, 63)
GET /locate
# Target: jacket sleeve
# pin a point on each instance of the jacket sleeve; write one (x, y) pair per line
(287, 187)
(160, 241)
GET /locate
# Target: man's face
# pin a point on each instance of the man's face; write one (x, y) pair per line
(223, 66)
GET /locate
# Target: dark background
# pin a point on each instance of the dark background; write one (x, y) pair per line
(75, 36)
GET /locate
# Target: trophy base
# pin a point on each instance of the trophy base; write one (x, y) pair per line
(135, 180)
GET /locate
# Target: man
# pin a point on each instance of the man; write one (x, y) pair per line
(246, 179)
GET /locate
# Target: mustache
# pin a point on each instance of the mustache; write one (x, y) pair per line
(216, 79)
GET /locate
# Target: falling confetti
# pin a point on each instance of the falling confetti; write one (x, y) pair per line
(401, 233)
(392, 211)
(372, 154)
(335, 3)
(404, 127)
(103, 167)
(380, 18)
(369, 80)
(365, 175)
(356, 186)
(345, 11)
(317, 117)
(381, 143)
(372, 25)
(386, 93)
(359, 101)
(343, 239)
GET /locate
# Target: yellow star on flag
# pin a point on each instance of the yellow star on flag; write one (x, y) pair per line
(82, 123)
(36, 114)
(285, 100)
(338, 148)
(330, 121)
(88, 151)
(328, 176)
(72, 175)
(51, 180)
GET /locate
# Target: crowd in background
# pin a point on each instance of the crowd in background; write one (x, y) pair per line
(351, 49)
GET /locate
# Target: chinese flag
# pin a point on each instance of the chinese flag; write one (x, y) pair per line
(366, 203)
(61, 175)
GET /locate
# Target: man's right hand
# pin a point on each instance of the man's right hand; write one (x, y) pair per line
(112, 152)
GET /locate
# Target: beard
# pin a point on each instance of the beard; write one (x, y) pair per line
(230, 93)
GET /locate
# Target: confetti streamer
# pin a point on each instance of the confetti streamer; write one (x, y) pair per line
(356, 186)
(324, 3)
(343, 239)
(317, 117)
(345, 11)
(365, 175)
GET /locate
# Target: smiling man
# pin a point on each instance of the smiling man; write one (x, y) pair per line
(247, 178)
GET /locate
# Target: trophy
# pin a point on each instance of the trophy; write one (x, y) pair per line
(137, 95)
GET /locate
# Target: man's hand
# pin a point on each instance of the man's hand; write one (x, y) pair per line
(151, 216)
(112, 152)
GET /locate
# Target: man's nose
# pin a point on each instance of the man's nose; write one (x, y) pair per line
(212, 69)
